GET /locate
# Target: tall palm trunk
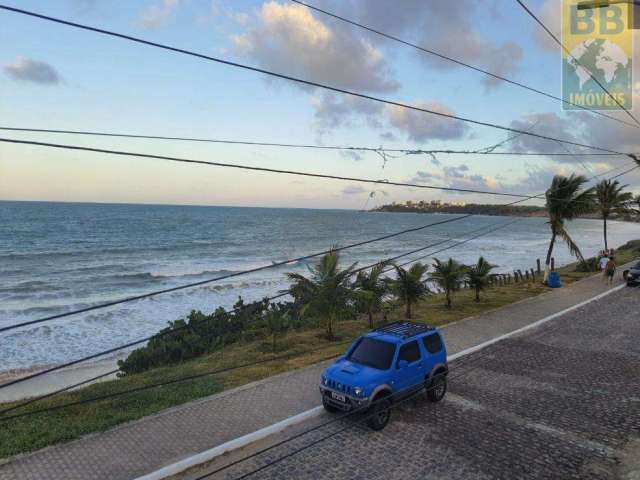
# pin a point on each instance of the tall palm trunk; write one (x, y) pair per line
(477, 294)
(448, 293)
(370, 319)
(547, 265)
(606, 247)
(407, 312)
(330, 327)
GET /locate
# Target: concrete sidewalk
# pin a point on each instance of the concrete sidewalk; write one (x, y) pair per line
(138, 448)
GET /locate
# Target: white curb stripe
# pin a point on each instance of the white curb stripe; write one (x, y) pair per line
(245, 440)
(534, 324)
(239, 442)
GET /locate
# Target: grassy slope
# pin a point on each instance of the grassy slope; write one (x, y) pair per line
(37, 431)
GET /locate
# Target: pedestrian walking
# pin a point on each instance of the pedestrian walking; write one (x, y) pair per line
(603, 262)
(610, 270)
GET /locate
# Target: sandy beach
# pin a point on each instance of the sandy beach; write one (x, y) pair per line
(54, 380)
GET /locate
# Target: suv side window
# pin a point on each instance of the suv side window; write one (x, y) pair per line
(432, 343)
(409, 352)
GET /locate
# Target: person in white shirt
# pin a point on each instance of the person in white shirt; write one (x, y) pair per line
(603, 262)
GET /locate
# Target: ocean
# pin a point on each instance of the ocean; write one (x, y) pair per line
(55, 257)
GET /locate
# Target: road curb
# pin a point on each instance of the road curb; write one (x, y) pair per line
(250, 438)
(239, 442)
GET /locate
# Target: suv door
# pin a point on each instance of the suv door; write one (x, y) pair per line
(413, 373)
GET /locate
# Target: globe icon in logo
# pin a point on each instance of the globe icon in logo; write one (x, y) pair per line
(601, 58)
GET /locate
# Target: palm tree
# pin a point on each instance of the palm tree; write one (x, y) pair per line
(409, 285)
(327, 293)
(478, 275)
(449, 276)
(566, 200)
(370, 288)
(612, 200)
(276, 321)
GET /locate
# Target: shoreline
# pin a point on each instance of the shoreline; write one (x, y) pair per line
(55, 380)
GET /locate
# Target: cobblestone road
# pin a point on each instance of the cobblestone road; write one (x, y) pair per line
(559, 402)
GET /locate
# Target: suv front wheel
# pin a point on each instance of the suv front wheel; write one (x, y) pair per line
(436, 387)
(379, 414)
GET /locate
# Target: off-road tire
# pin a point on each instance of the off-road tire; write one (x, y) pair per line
(379, 414)
(328, 407)
(437, 387)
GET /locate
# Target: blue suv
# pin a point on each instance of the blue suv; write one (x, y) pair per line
(384, 366)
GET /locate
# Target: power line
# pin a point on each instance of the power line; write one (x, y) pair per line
(550, 33)
(458, 62)
(292, 78)
(473, 358)
(161, 334)
(224, 370)
(227, 276)
(257, 169)
(406, 151)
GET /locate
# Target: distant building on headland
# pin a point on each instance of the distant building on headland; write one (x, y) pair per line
(432, 205)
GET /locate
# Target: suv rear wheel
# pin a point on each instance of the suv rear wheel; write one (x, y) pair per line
(437, 387)
(379, 414)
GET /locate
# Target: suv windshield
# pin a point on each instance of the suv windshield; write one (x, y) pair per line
(373, 353)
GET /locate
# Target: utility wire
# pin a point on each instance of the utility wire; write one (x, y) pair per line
(254, 168)
(551, 34)
(378, 150)
(292, 78)
(227, 276)
(458, 62)
(472, 359)
(161, 334)
(486, 231)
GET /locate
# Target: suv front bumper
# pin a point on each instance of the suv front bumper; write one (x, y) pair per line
(350, 403)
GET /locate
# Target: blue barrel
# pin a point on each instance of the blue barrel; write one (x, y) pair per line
(554, 280)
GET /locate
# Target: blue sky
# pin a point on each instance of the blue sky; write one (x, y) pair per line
(53, 76)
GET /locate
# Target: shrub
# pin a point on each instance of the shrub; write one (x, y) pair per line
(199, 334)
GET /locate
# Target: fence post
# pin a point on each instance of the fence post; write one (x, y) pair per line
(538, 263)
(553, 264)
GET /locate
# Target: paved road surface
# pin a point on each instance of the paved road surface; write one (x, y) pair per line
(559, 402)
(137, 448)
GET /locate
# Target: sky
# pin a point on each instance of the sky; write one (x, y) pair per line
(57, 77)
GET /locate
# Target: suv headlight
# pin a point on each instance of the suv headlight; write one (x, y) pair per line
(358, 391)
(324, 380)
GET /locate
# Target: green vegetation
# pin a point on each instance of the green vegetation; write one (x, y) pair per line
(566, 200)
(327, 295)
(611, 200)
(479, 276)
(370, 288)
(448, 276)
(473, 208)
(305, 343)
(409, 286)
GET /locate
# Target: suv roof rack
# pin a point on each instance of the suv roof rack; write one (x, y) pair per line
(405, 329)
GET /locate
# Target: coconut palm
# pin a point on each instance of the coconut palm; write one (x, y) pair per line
(478, 275)
(448, 276)
(566, 200)
(327, 294)
(612, 200)
(409, 286)
(370, 288)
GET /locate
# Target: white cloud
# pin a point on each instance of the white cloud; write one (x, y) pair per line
(28, 70)
(354, 190)
(420, 126)
(291, 40)
(432, 25)
(157, 16)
